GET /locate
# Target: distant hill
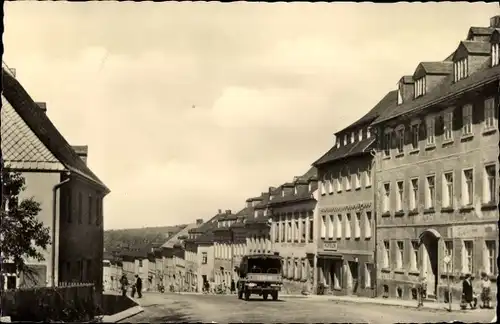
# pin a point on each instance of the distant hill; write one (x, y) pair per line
(116, 239)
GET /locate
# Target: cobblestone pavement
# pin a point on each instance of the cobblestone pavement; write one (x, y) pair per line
(225, 309)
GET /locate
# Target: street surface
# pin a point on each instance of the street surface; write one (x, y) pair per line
(172, 307)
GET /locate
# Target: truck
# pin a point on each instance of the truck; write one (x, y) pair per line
(260, 274)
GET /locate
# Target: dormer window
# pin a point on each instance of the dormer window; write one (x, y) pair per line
(400, 96)
(352, 137)
(420, 87)
(282, 193)
(338, 143)
(310, 186)
(295, 190)
(461, 69)
(368, 132)
(495, 57)
(360, 135)
(345, 139)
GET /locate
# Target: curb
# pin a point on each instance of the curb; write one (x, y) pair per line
(5, 319)
(398, 305)
(118, 317)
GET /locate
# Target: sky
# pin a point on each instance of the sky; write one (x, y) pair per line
(270, 85)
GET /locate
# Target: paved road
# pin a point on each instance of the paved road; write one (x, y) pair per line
(225, 309)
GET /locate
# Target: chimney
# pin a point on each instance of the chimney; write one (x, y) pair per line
(406, 89)
(495, 21)
(249, 203)
(228, 211)
(199, 221)
(42, 105)
(81, 151)
(219, 211)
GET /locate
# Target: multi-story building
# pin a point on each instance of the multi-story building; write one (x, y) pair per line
(437, 173)
(292, 207)
(258, 225)
(112, 272)
(58, 177)
(346, 225)
(224, 248)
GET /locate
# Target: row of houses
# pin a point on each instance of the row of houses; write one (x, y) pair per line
(57, 176)
(408, 191)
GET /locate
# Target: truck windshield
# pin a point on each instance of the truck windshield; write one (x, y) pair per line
(264, 265)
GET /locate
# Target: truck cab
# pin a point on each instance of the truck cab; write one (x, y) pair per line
(260, 274)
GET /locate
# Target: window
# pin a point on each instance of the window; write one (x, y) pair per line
(414, 256)
(323, 185)
(357, 229)
(399, 198)
(331, 184)
(420, 87)
(461, 69)
(448, 126)
(276, 232)
(140, 263)
(304, 270)
(296, 269)
(400, 136)
(430, 195)
(368, 177)
(368, 132)
(414, 131)
(352, 137)
(289, 231)
(368, 275)
(345, 139)
(387, 143)
(80, 208)
(448, 245)
(339, 183)
(468, 257)
(323, 226)
(414, 194)
(311, 229)
(386, 256)
(338, 226)
(387, 195)
(400, 255)
(489, 113)
(431, 132)
(447, 199)
(90, 209)
(360, 135)
(490, 184)
(303, 230)
(357, 182)
(368, 225)
(495, 49)
(400, 97)
(347, 180)
(330, 226)
(490, 258)
(348, 226)
(467, 120)
(283, 229)
(296, 235)
(467, 187)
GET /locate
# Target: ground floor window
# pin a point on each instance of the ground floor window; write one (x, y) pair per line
(368, 275)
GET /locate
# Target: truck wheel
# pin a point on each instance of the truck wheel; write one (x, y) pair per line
(264, 295)
(274, 295)
(247, 295)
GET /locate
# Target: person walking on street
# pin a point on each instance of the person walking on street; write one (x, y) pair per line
(467, 293)
(486, 290)
(233, 286)
(422, 289)
(138, 286)
(124, 284)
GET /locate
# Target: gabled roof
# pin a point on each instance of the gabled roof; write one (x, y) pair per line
(302, 193)
(443, 91)
(407, 79)
(45, 131)
(176, 239)
(440, 68)
(482, 31)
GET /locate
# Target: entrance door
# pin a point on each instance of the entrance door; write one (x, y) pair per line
(430, 262)
(353, 269)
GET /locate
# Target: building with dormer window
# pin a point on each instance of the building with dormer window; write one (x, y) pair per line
(346, 228)
(437, 174)
(294, 215)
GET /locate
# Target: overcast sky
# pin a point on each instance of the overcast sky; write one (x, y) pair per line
(271, 84)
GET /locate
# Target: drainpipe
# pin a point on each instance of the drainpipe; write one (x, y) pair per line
(374, 186)
(54, 214)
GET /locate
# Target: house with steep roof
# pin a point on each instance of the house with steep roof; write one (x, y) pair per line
(58, 177)
(294, 215)
(439, 220)
(346, 241)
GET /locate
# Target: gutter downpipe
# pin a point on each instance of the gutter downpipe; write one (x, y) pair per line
(374, 186)
(54, 223)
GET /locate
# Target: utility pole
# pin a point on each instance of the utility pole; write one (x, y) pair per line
(231, 230)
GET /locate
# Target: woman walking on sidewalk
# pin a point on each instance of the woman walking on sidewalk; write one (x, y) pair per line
(468, 293)
(486, 290)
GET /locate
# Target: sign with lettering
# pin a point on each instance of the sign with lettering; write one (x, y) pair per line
(330, 246)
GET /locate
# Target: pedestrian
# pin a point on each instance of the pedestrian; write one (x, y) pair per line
(233, 286)
(467, 293)
(486, 290)
(422, 287)
(124, 284)
(138, 286)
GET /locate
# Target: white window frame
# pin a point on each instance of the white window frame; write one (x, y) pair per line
(467, 200)
(461, 69)
(353, 137)
(415, 126)
(495, 58)
(467, 121)
(345, 139)
(420, 87)
(400, 185)
(447, 194)
(368, 224)
(400, 254)
(414, 194)
(430, 191)
(490, 257)
(386, 202)
(400, 96)
(357, 180)
(387, 142)
(360, 135)
(448, 251)
(368, 275)
(490, 122)
(338, 226)
(348, 180)
(490, 192)
(323, 226)
(430, 127)
(387, 254)
(323, 185)
(357, 227)
(414, 255)
(400, 138)
(331, 226)
(448, 126)
(468, 259)
(368, 132)
(331, 185)
(368, 177)
(348, 229)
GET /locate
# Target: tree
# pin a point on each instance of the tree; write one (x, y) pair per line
(22, 234)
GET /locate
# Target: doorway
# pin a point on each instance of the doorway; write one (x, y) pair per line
(354, 275)
(429, 242)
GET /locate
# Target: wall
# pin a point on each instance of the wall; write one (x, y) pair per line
(39, 185)
(208, 268)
